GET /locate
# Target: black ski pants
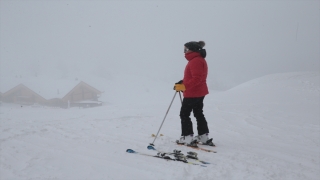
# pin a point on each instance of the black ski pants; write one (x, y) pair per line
(195, 105)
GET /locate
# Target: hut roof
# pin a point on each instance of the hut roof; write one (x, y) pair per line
(47, 88)
(23, 87)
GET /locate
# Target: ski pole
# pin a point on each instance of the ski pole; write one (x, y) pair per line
(164, 119)
(180, 96)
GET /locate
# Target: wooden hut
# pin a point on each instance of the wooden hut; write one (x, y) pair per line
(83, 95)
(21, 94)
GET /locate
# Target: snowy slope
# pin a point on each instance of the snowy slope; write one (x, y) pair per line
(267, 128)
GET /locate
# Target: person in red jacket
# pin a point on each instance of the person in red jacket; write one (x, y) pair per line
(194, 88)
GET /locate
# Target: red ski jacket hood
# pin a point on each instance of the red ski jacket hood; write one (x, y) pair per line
(195, 76)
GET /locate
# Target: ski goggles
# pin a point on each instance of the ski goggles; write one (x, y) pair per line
(185, 50)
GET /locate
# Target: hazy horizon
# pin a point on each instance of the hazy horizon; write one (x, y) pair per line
(244, 39)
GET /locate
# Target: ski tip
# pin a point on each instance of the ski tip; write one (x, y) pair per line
(151, 147)
(130, 151)
(204, 162)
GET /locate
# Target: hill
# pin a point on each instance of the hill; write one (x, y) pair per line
(267, 128)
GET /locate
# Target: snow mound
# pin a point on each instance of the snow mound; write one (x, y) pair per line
(281, 87)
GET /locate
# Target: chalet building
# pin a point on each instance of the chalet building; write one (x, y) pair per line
(81, 95)
(21, 94)
(82, 91)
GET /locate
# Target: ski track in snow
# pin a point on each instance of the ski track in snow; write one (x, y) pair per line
(255, 140)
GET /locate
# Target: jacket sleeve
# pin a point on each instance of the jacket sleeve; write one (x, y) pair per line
(196, 69)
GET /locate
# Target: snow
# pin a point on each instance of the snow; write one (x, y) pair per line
(266, 128)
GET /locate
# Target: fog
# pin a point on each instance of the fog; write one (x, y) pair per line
(244, 39)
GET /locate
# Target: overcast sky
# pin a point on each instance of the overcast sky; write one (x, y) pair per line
(244, 39)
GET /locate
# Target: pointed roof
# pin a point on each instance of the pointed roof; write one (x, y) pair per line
(85, 85)
(45, 87)
(21, 86)
(50, 88)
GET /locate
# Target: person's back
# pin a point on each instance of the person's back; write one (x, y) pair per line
(195, 75)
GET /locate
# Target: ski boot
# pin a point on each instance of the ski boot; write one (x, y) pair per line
(187, 140)
(204, 139)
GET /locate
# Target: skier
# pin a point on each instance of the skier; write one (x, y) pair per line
(194, 88)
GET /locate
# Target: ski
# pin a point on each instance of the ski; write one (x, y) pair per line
(191, 155)
(157, 156)
(163, 156)
(196, 147)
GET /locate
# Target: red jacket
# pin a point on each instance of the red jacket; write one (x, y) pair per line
(195, 76)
